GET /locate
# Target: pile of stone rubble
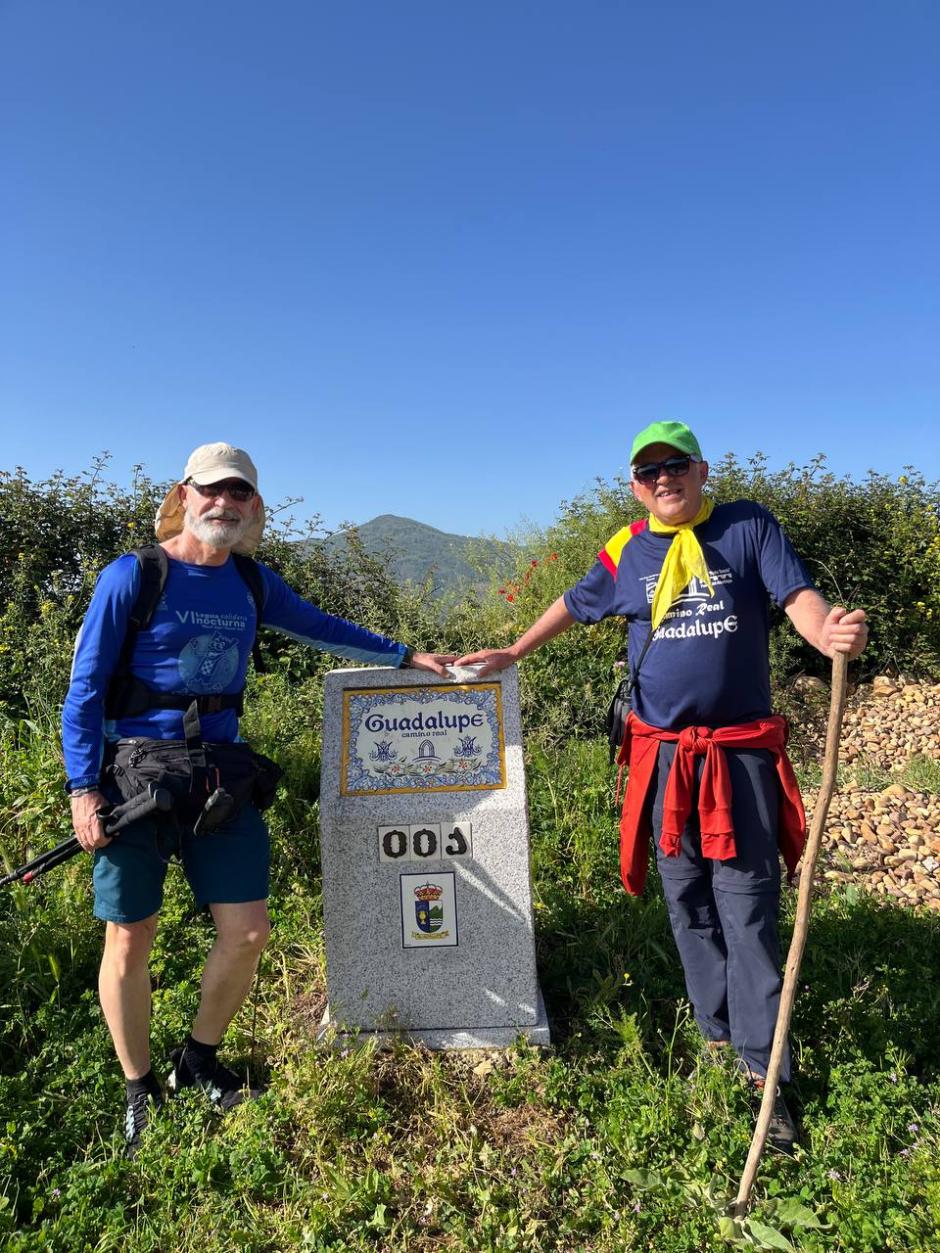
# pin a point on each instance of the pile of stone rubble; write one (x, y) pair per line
(883, 829)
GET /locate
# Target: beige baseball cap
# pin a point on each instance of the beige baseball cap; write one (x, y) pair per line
(210, 463)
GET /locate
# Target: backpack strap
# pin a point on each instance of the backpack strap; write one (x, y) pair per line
(154, 566)
(248, 568)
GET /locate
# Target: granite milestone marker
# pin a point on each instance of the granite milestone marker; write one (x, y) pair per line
(427, 897)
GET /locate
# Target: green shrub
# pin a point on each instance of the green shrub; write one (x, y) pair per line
(874, 544)
(623, 1136)
(57, 534)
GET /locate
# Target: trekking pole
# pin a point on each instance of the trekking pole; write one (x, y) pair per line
(45, 861)
(154, 800)
(800, 932)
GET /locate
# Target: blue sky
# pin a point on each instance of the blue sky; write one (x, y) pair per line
(443, 259)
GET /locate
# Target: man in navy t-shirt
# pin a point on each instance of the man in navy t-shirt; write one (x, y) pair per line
(708, 769)
(195, 648)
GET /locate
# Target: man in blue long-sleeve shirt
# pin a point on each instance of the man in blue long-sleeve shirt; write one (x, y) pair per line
(197, 644)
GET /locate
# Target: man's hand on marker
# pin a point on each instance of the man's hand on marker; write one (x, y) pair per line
(490, 660)
(435, 662)
(844, 632)
(86, 823)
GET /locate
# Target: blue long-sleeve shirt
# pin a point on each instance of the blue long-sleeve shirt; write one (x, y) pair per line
(198, 641)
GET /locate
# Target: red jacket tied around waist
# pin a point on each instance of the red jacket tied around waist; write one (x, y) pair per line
(639, 752)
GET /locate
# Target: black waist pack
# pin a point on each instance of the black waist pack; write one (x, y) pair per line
(209, 783)
(616, 720)
(617, 716)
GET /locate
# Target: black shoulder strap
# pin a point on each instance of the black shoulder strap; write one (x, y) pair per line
(635, 676)
(248, 568)
(620, 705)
(154, 567)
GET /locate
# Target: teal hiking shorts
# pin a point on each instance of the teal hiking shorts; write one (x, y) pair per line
(227, 866)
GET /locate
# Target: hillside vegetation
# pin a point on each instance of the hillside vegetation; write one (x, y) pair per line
(626, 1135)
(420, 554)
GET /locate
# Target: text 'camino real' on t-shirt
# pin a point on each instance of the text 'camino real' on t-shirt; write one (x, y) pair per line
(707, 664)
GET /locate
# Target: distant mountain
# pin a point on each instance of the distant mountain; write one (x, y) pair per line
(414, 549)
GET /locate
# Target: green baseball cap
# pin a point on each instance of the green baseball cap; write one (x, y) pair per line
(675, 434)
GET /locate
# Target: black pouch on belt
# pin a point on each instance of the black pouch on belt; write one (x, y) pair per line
(209, 783)
(617, 716)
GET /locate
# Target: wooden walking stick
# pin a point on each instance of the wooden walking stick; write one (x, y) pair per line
(800, 931)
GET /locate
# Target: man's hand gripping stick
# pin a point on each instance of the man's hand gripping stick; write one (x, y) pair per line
(115, 819)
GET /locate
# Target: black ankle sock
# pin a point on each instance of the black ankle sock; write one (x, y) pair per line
(198, 1055)
(146, 1083)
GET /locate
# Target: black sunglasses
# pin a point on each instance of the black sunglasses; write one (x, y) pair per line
(675, 467)
(236, 488)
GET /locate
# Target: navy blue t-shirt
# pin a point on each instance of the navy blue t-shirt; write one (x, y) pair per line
(708, 662)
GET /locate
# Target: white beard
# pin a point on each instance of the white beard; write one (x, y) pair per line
(218, 530)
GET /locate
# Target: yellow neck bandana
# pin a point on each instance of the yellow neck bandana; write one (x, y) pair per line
(684, 561)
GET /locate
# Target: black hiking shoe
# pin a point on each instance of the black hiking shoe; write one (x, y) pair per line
(140, 1108)
(781, 1133)
(224, 1088)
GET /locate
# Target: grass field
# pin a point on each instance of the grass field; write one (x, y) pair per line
(625, 1135)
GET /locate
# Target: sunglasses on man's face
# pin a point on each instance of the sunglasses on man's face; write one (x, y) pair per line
(675, 467)
(237, 489)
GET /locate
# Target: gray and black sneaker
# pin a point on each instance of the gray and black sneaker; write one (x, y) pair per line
(140, 1108)
(224, 1088)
